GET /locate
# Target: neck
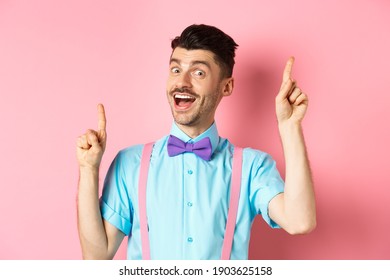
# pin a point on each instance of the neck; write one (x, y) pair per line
(195, 130)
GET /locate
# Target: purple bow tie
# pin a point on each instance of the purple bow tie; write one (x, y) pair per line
(202, 148)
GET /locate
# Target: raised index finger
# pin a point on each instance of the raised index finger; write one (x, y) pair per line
(101, 117)
(288, 69)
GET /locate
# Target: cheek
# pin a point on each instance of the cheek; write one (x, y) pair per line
(169, 86)
(212, 89)
(204, 87)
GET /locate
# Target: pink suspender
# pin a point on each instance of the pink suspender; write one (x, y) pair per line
(233, 205)
(143, 179)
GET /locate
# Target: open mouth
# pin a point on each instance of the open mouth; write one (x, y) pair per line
(183, 101)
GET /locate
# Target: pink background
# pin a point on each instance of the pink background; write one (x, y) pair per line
(58, 59)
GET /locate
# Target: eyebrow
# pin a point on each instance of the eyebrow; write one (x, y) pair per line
(195, 62)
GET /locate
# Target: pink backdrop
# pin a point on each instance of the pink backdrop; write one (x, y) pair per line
(58, 59)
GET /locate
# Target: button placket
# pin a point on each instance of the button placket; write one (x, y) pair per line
(189, 196)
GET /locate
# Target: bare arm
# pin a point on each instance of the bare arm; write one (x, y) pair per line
(98, 238)
(295, 210)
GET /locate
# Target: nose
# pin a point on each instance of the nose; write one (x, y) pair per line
(183, 80)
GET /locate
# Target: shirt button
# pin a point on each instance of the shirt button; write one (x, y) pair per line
(189, 204)
(189, 239)
(190, 172)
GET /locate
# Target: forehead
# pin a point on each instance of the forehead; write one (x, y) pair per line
(188, 57)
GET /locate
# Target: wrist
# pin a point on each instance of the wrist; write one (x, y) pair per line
(289, 126)
(88, 181)
(89, 170)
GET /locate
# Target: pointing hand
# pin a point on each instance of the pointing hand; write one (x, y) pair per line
(291, 102)
(91, 145)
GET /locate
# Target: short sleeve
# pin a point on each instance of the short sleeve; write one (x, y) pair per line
(265, 184)
(115, 203)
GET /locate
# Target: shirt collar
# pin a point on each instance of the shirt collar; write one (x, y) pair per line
(211, 132)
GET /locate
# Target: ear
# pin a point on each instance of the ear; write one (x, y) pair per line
(228, 85)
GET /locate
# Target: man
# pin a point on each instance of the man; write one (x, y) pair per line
(188, 195)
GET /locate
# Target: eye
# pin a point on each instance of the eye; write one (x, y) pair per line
(175, 70)
(199, 73)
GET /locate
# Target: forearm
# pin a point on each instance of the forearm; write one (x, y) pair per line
(92, 234)
(299, 199)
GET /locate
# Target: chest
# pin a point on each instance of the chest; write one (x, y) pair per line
(211, 211)
(186, 182)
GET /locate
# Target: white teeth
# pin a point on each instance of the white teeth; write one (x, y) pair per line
(183, 96)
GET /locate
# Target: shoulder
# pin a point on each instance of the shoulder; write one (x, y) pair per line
(130, 152)
(254, 154)
(254, 158)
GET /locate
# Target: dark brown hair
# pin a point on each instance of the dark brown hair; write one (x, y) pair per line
(210, 38)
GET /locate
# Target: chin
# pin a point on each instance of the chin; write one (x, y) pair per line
(185, 120)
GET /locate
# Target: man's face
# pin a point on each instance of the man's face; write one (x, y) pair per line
(194, 87)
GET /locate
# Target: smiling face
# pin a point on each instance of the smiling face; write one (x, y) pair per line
(195, 88)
